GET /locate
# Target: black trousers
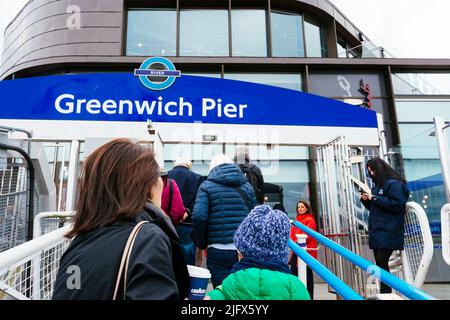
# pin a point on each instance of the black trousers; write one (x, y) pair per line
(309, 275)
(382, 260)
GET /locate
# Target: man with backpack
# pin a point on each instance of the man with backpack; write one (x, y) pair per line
(252, 172)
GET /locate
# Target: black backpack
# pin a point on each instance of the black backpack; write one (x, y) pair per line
(253, 177)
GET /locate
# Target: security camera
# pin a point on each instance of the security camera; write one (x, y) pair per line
(151, 130)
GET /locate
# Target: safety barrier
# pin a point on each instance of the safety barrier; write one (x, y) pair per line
(46, 222)
(418, 248)
(445, 230)
(401, 286)
(341, 287)
(29, 270)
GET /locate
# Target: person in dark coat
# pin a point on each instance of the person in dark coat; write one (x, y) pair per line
(252, 172)
(223, 201)
(386, 205)
(120, 187)
(188, 182)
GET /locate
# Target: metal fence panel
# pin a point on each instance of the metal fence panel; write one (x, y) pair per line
(13, 203)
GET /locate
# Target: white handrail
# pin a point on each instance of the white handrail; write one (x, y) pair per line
(30, 248)
(418, 279)
(445, 231)
(44, 215)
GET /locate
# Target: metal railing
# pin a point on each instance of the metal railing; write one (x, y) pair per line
(46, 222)
(333, 281)
(418, 248)
(17, 201)
(445, 229)
(28, 271)
(402, 287)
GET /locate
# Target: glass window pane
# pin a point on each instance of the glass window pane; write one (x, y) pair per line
(421, 83)
(272, 153)
(292, 176)
(417, 141)
(204, 33)
(342, 49)
(249, 36)
(151, 33)
(197, 152)
(422, 111)
(284, 80)
(287, 35)
(315, 41)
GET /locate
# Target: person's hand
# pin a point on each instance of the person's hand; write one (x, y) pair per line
(366, 197)
(199, 257)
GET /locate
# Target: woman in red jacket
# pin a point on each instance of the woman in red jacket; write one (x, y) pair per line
(305, 217)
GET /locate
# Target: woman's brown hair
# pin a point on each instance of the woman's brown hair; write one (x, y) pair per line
(115, 184)
(306, 204)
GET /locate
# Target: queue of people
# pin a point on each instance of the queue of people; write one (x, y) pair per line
(137, 228)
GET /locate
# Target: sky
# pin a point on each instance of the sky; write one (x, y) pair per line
(408, 28)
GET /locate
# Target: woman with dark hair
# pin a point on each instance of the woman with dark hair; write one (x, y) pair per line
(305, 216)
(386, 205)
(120, 190)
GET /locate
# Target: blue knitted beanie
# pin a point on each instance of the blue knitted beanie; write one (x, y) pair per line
(264, 234)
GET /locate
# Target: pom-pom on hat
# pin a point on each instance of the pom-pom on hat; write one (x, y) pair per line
(264, 234)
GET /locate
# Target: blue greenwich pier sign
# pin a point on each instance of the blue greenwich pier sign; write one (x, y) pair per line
(173, 99)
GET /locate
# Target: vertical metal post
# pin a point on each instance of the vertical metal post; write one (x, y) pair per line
(72, 175)
(382, 138)
(301, 265)
(444, 155)
(61, 177)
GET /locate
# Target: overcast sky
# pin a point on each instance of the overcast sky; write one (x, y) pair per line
(413, 28)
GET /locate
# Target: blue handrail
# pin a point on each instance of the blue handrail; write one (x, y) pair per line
(341, 287)
(401, 286)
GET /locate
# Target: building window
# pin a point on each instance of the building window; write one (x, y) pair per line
(291, 81)
(315, 41)
(151, 33)
(342, 48)
(420, 154)
(204, 33)
(249, 35)
(421, 83)
(287, 35)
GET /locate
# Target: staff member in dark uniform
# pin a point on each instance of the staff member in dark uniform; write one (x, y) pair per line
(386, 205)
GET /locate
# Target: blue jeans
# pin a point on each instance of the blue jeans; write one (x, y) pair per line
(220, 263)
(186, 243)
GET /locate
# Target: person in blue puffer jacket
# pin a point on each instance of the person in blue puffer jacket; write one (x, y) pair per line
(386, 205)
(222, 203)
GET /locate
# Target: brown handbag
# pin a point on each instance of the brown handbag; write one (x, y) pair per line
(123, 269)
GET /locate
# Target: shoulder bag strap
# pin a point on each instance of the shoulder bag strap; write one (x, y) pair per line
(123, 269)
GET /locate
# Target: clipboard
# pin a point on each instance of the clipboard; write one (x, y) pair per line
(361, 185)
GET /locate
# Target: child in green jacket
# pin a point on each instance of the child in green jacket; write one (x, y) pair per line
(262, 272)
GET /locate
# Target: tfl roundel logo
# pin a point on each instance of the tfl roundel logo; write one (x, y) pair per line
(157, 73)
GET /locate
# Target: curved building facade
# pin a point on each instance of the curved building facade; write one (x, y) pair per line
(303, 45)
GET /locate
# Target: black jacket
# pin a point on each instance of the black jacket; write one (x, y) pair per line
(387, 215)
(188, 182)
(258, 185)
(157, 269)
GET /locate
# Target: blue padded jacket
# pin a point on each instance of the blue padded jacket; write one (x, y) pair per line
(223, 201)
